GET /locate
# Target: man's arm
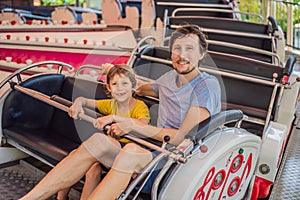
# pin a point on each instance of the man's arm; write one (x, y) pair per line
(146, 90)
(194, 116)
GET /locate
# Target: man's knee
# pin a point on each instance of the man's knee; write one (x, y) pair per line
(97, 145)
(132, 158)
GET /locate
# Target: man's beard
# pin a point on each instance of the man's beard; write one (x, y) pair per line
(186, 72)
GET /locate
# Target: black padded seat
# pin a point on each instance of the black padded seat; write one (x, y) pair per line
(45, 143)
(222, 24)
(249, 67)
(43, 130)
(236, 93)
(216, 31)
(160, 9)
(152, 69)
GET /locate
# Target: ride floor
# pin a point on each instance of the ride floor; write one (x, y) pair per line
(18, 178)
(287, 185)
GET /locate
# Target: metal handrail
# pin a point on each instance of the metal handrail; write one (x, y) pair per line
(216, 10)
(139, 44)
(18, 72)
(99, 68)
(238, 46)
(218, 72)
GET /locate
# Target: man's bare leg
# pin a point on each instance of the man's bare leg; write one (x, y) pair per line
(74, 166)
(132, 158)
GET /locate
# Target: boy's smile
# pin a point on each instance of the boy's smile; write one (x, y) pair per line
(121, 88)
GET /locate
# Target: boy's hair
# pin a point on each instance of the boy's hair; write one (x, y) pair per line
(186, 29)
(122, 69)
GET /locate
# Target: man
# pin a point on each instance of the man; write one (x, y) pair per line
(187, 97)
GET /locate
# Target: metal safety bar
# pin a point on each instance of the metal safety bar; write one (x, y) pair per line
(217, 72)
(47, 99)
(216, 10)
(226, 32)
(18, 72)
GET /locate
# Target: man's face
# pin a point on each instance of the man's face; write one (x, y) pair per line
(186, 53)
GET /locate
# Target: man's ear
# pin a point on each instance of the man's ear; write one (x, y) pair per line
(203, 54)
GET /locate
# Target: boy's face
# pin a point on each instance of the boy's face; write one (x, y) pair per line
(186, 53)
(121, 88)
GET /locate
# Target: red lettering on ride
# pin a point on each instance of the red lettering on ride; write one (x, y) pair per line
(209, 183)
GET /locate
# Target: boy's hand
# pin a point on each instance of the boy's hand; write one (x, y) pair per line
(76, 108)
(119, 129)
(106, 67)
(102, 121)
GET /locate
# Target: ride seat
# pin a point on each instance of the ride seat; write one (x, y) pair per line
(89, 18)
(152, 69)
(10, 17)
(112, 14)
(63, 15)
(42, 129)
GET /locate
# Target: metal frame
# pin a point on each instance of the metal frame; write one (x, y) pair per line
(18, 72)
(236, 76)
(215, 10)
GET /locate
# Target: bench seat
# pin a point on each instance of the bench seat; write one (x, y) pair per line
(44, 131)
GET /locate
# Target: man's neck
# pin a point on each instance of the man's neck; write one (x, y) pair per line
(186, 78)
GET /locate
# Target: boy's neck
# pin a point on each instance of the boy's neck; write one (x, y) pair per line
(125, 106)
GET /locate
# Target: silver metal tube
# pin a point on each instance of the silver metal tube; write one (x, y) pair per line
(270, 108)
(238, 46)
(18, 72)
(191, 4)
(159, 177)
(216, 10)
(237, 33)
(99, 68)
(140, 178)
(46, 99)
(214, 71)
(135, 50)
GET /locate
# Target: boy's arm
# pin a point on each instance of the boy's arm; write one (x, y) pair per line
(78, 105)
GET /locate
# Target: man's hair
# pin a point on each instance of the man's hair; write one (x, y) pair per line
(186, 29)
(124, 70)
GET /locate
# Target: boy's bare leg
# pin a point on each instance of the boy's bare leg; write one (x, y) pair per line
(92, 179)
(67, 172)
(132, 158)
(63, 194)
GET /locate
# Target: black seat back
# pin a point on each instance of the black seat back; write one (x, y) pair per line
(152, 69)
(160, 7)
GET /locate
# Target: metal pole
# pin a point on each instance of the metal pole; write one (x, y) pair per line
(289, 33)
(265, 9)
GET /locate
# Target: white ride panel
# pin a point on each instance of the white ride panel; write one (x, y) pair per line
(223, 172)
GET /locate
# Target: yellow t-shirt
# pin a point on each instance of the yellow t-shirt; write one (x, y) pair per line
(110, 107)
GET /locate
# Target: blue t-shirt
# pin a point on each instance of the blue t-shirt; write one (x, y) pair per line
(203, 91)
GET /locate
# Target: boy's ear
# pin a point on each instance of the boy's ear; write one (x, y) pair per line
(108, 87)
